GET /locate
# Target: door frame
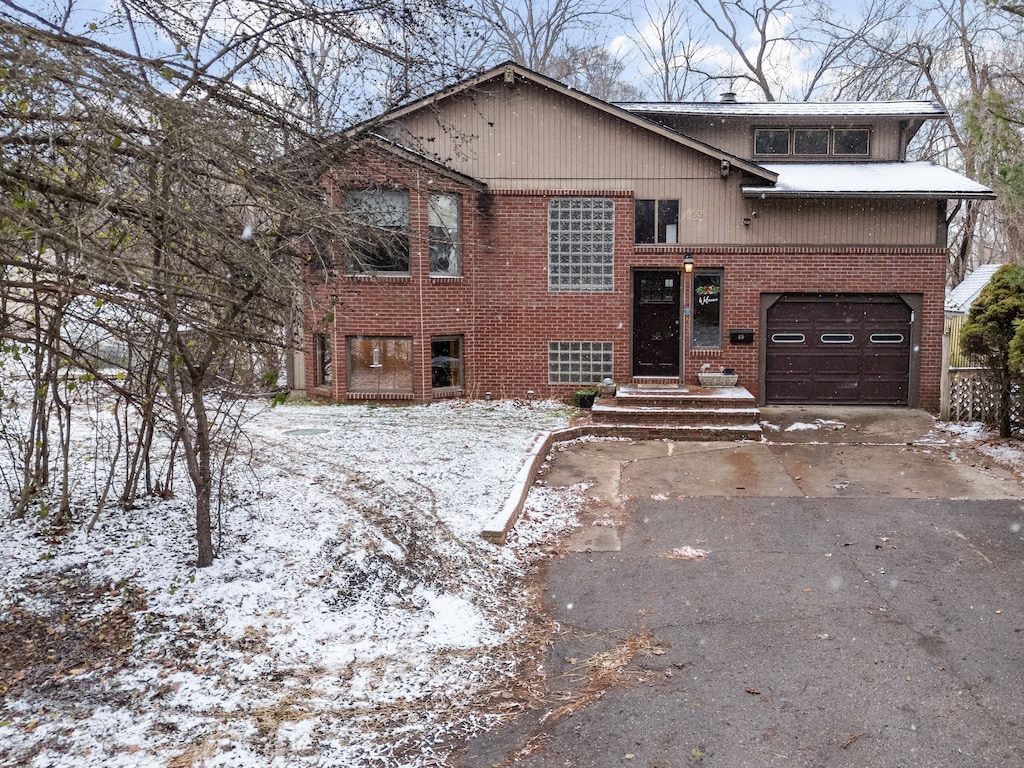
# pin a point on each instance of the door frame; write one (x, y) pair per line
(680, 277)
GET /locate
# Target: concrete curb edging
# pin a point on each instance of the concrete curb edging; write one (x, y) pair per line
(497, 528)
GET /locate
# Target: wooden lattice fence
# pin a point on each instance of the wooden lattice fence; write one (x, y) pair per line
(973, 397)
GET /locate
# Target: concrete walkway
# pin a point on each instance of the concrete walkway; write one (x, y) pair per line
(845, 593)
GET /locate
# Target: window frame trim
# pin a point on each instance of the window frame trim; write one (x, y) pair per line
(831, 153)
(352, 266)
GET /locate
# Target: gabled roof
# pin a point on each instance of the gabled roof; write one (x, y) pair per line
(920, 110)
(960, 299)
(392, 146)
(509, 72)
(917, 180)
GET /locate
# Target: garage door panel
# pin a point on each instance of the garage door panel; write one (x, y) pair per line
(789, 365)
(852, 349)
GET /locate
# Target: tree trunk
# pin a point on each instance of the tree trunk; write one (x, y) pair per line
(203, 482)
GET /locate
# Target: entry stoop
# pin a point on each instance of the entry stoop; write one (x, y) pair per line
(680, 413)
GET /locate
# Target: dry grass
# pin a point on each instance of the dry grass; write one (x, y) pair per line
(604, 671)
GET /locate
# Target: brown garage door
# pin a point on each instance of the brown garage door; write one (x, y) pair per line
(838, 349)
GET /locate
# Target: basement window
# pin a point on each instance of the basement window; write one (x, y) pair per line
(379, 364)
(579, 362)
(322, 359)
(446, 362)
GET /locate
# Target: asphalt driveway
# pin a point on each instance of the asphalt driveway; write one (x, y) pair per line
(846, 593)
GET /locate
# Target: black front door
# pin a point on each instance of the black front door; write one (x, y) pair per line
(656, 323)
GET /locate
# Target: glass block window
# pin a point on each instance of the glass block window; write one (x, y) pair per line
(579, 362)
(581, 244)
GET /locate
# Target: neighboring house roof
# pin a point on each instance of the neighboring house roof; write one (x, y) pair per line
(769, 109)
(960, 299)
(917, 180)
(510, 71)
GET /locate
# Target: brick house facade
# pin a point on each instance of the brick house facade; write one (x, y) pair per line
(541, 240)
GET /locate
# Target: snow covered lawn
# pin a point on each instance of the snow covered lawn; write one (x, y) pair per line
(354, 615)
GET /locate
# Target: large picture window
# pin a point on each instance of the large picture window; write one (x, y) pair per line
(581, 244)
(379, 364)
(379, 241)
(656, 221)
(443, 213)
(706, 316)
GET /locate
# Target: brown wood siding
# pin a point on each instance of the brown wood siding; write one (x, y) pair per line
(843, 222)
(526, 137)
(529, 138)
(737, 135)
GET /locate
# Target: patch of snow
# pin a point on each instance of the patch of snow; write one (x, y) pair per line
(354, 615)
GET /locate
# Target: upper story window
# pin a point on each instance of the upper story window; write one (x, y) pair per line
(443, 218)
(581, 244)
(812, 142)
(771, 141)
(380, 235)
(850, 141)
(656, 221)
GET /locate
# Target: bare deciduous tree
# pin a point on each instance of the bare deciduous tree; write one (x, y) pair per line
(535, 33)
(967, 58)
(146, 197)
(770, 50)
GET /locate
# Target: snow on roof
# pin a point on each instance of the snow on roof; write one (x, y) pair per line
(919, 109)
(960, 299)
(918, 179)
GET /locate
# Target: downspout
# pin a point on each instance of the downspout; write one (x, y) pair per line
(425, 373)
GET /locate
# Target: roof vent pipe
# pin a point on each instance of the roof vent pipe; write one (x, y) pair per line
(729, 97)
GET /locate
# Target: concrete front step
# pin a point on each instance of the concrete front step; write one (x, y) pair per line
(679, 432)
(725, 413)
(685, 416)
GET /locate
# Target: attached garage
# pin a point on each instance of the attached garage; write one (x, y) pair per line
(840, 349)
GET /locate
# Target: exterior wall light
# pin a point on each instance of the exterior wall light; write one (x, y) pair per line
(688, 263)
